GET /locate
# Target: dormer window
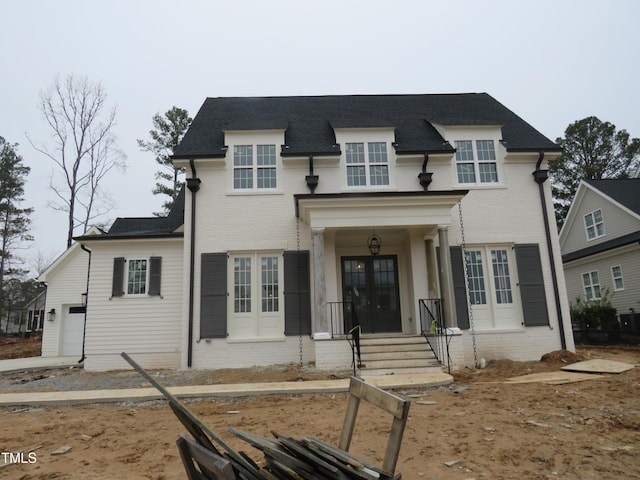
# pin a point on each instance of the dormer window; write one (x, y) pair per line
(367, 164)
(254, 167)
(476, 161)
(594, 225)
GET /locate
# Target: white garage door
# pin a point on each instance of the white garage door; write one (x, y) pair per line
(72, 331)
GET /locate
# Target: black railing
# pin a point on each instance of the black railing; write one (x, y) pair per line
(343, 320)
(434, 330)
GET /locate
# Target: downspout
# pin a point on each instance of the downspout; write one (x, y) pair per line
(193, 184)
(86, 305)
(540, 176)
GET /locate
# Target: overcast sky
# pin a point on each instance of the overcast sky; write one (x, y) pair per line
(551, 62)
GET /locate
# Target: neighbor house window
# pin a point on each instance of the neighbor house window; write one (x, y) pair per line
(367, 164)
(254, 167)
(591, 285)
(136, 277)
(594, 224)
(616, 274)
(476, 161)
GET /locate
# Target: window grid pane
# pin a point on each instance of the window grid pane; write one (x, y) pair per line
(270, 284)
(477, 290)
(466, 173)
(266, 178)
(242, 285)
(488, 172)
(616, 273)
(267, 155)
(137, 277)
(501, 276)
(243, 178)
(486, 152)
(591, 284)
(379, 174)
(356, 176)
(377, 152)
(464, 151)
(242, 155)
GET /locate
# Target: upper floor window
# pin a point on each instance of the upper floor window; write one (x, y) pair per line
(476, 161)
(594, 225)
(367, 167)
(136, 277)
(254, 167)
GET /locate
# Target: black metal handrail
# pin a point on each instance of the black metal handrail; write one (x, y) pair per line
(434, 330)
(343, 320)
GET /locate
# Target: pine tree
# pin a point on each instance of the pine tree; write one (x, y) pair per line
(166, 135)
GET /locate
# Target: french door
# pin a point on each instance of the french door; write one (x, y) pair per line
(370, 292)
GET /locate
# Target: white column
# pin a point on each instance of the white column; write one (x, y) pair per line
(320, 289)
(446, 287)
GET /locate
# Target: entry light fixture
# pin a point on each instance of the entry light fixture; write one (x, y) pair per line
(374, 243)
(84, 299)
(51, 315)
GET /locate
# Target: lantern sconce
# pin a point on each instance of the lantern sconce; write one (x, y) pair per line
(374, 243)
(51, 315)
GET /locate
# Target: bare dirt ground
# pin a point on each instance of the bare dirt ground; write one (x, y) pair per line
(478, 428)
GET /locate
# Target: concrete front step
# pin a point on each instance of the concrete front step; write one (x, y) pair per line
(388, 355)
(367, 355)
(366, 372)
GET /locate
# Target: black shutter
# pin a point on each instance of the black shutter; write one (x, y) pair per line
(213, 295)
(155, 275)
(297, 293)
(117, 287)
(534, 300)
(460, 287)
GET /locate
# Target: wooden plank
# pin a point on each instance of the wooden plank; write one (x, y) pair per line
(599, 366)
(388, 402)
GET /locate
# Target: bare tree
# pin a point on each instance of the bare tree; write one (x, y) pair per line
(84, 148)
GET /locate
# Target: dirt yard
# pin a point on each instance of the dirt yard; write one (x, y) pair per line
(478, 428)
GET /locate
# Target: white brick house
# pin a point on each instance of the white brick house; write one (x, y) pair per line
(270, 257)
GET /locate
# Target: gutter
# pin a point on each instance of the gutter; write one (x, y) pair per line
(193, 184)
(84, 328)
(540, 176)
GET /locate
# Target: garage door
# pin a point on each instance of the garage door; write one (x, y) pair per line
(72, 331)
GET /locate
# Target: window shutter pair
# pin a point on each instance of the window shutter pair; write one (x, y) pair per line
(532, 289)
(155, 276)
(214, 288)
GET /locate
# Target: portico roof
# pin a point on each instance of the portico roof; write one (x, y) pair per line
(377, 209)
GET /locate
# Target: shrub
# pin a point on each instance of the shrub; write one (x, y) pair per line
(596, 314)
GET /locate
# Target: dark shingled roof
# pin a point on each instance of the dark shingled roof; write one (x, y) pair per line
(149, 226)
(625, 191)
(309, 122)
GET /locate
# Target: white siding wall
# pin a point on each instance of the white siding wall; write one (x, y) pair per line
(66, 282)
(145, 327)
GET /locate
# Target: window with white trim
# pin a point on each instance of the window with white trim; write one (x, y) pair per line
(137, 276)
(616, 275)
(476, 162)
(368, 166)
(591, 285)
(594, 224)
(254, 167)
(256, 301)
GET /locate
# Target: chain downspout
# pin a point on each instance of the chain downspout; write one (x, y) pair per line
(466, 272)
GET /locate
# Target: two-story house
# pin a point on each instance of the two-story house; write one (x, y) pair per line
(600, 242)
(305, 216)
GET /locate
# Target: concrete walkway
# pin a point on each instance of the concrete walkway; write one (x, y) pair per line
(38, 363)
(421, 380)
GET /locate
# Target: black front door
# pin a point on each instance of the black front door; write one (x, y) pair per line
(370, 287)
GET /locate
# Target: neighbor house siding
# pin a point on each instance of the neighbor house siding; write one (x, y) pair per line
(617, 222)
(66, 282)
(627, 257)
(147, 327)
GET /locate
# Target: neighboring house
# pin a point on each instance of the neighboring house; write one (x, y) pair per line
(301, 210)
(600, 243)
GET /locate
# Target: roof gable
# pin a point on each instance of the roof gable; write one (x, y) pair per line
(624, 191)
(309, 121)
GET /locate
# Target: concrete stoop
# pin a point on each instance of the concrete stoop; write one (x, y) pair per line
(396, 355)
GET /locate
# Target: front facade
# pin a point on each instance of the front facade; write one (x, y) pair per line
(600, 243)
(306, 216)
